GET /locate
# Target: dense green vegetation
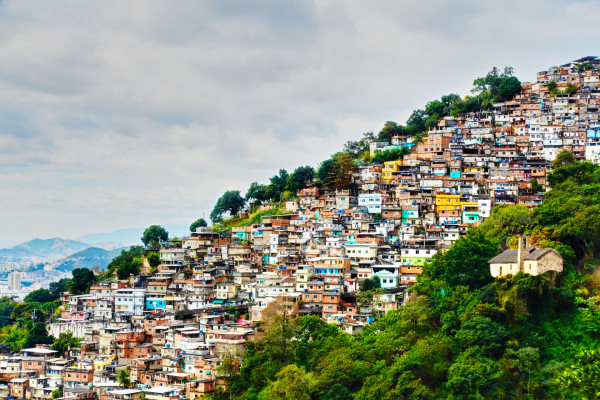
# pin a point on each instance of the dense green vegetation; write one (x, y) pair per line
(254, 217)
(463, 335)
(200, 222)
(24, 324)
(64, 342)
(128, 262)
(496, 86)
(153, 235)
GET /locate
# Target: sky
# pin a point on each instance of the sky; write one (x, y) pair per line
(124, 114)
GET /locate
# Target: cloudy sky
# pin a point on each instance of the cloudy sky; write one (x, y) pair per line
(122, 114)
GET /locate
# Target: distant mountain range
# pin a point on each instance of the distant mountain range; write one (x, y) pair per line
(88, 258)
(55, 247)
(86, 251)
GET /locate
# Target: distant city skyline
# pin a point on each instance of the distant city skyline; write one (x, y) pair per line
(121, 115)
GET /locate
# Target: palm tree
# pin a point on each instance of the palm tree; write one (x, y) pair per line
(123, 377)
(419, 138)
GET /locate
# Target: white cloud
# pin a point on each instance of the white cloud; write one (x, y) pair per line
(123, 114)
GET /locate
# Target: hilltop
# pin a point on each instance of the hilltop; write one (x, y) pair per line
(55, 247)
(453, 257)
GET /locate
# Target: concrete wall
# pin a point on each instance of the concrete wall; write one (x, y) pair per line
(78, 328)
(507, 269)
(549, 262)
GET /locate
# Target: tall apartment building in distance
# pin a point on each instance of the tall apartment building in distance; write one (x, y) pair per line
(14, 281)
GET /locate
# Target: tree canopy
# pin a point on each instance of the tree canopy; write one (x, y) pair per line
(230, 202)
(153, 235)
(64, 341)
(40, 296)
(81, 282)
(256, 193)
(200, 222)
(153, 259)
(497, 86)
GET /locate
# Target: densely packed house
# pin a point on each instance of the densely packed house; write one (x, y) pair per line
(173, 326)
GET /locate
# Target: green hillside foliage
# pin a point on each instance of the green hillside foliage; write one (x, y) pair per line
(463, 334)
(128, 262)
(23, 324)
(254, 217)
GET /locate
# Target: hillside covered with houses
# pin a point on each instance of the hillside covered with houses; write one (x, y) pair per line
(366, 278)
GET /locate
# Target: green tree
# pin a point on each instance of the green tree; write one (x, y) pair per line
(325, 169)
(153, 259)
(59, 287)
(128, 268)
(581, 380)
(341, 173)
(228, 369)
(230, 202)
(526, 362)
(496, 86)
(483, 333)
(419, 138)
(7, 305)
(472, 376)
(337, 392)
(38, 335)
(40, 296)
(465, 264)
(153, 235)
(536, 187)
(509, 87)
(370, 284)
(199, 223)
(564, 157)
(390, 155)
(256, 193)
(300, 178)
(277, 185)
(570, 89)
(81, 282)
(358, 148)
(416, 122)
(279, 333)
(389, 130)
(506, 221)
(123, 377)
(293, 383)
(435, 107)
(64, 341)
(56, 393)
(126, 256)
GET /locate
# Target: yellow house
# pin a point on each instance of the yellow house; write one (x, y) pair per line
(447, 202)
(102, 361)
(389, 167)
